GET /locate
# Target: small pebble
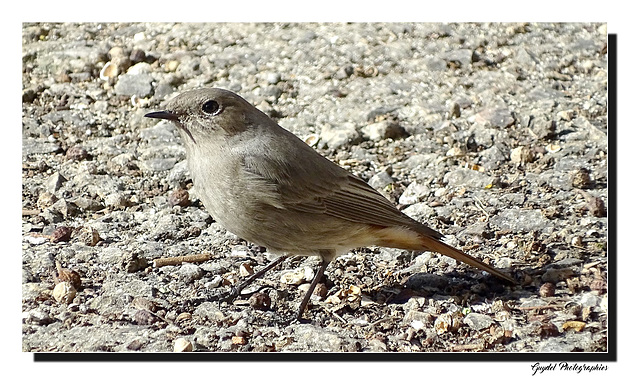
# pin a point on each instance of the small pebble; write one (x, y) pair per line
(574, 325)
(548, 329)
(182, 345)
(61, 234)
(297, 276)
(478, 321)
(137, 55)
(190, 272)
(77, 152)
(548, 289)
(597, 207)
(64, 292)
(522, 154)
(171, 65)
(116, 200)
(142, 303)
(46, 199)
(273, 78)
(144, 317)
(454, 110)
(179, 198)
(88, 235)
(581, 179)
(447, 322)
(260, 301)
(135, 345)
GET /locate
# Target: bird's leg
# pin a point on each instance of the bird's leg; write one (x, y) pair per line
(236, 290)
(316, 279)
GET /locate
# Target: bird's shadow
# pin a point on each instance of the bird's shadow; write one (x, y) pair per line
(428, 285)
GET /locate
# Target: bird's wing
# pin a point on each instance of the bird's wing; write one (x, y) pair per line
(308, 182)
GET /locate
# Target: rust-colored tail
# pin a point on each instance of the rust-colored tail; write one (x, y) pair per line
(432, 244)
(403, 238)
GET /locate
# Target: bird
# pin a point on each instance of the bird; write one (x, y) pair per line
(267, 186)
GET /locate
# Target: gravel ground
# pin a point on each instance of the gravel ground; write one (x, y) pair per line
(493, 134)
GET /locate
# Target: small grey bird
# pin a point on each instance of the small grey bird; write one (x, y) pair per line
(264, 184)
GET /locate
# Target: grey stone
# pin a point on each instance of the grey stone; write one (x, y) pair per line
(54, 182)
(495, 117)
(110, 255)
(520, 220)
(156, 165)
(31, 146)
(134, 84)
(37, 316)
(477, 321)
(61, 208)
(87, 204)
(555, 345)
(381, 179)
(190, 272)
(159, 134)
(379, 111)
(493, 157)
(567, 262)
(462, 56)
(163, 90)
(335, 138)
(420, 211)
(543, 127)
(420, 160)
(589, 299)
(179, 174)
(476, 229)
(533, 302)
(557, 275)
(524, 57)
(311, 338)
(414, 193)
(273, 78)
(468, 178)
(383, 130)
(417, 319)
(344, 72)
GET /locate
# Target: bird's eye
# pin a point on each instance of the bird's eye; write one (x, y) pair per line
(211, 107)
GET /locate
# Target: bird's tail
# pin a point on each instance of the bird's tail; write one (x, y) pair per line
(404, 238)
(432, 244)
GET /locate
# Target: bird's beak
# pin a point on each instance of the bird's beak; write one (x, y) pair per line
(167, 115)
(172, 116)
